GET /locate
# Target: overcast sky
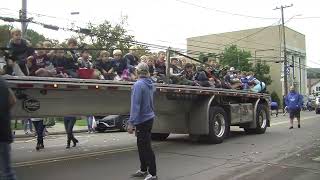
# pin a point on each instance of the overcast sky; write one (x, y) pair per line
(171, 22)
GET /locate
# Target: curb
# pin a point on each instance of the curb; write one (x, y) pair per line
(50, 133)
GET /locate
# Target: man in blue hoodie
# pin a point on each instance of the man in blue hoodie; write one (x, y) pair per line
(141, 117)
(294, 102)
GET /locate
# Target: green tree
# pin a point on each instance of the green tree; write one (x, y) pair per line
(4, 36)
(34, 37)
(234, 57)
(108, 37)
(205, 57)
(262, 71)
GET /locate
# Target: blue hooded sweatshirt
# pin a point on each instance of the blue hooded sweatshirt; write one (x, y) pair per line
(294, 101)
(142, 108)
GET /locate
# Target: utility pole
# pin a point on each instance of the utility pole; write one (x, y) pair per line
(285, 62)
(23, 17)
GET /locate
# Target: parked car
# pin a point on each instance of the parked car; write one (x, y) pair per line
(111, 122)
(317, 105)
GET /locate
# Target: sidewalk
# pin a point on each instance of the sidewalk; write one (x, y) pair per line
(58, 128)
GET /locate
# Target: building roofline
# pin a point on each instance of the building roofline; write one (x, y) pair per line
(244, 30)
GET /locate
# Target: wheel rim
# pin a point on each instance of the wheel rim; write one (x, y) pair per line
(124, 123)
(262, 119)
(219, 125)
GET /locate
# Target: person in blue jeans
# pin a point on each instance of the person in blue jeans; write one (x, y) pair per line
(90, 124)
(141, 117)
(39, 126)
(69, 122)
(27, 123)
(294, 102)
(7, 100)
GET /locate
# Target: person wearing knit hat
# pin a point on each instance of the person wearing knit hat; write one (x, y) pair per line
(141, 118)
(143, 69)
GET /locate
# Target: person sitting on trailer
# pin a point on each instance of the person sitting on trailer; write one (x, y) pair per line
(202, 79)
(160, 64)
(244, 81)
(21, 49)
(118, 64)
(187, 76)
(8, 67)
(131, 58)
(257, 86)
(40, 65)
(174, 69)
(213, 78)
(59, 62)
(71, 64)
(104, 65)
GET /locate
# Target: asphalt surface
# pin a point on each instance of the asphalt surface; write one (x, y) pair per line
(280, 153)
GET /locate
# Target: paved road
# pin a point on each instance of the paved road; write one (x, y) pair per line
(279, 154)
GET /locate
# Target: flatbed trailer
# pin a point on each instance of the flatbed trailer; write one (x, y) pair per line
(198, 111)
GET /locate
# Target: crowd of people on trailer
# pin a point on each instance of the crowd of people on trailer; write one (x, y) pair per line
(23, 60)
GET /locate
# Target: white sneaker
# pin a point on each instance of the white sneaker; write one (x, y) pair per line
(140, 173)
(150, 177)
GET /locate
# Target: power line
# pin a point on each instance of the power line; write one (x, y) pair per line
(49, 16)
(253, 34)
(225, 12)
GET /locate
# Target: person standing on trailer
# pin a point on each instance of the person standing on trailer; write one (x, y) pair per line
(141, 117)
(7, 100)
(294, 102)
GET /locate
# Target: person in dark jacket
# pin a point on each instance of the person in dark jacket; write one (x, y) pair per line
(131, 58)
(141, 117)
(104, 65)
(7, 100)
(118, 63)
(294, 102)
(21, 49)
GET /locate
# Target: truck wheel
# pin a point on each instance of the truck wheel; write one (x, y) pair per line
(261, 121)
(218, 125)
(159, 136)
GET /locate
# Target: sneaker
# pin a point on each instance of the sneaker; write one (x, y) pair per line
(140, 173)
(291, 127)
(150, 177)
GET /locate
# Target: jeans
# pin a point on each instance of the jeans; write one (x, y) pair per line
(6, 172)
(27, 123)
(68, 124)
(90, 123)
(38, 125)
(146, 154)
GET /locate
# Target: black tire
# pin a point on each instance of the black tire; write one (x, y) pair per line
(219, 125)
(317, 111)
(261, 121)
(123, 123)
(159, 136)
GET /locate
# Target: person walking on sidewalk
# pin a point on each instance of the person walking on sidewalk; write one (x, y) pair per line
(7, 100)
(27, 123)
(39, 126)
(141, 117)
(69, 124)
(90, 123)
(294, 102)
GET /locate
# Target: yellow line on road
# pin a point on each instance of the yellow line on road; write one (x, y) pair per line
(77, 156)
